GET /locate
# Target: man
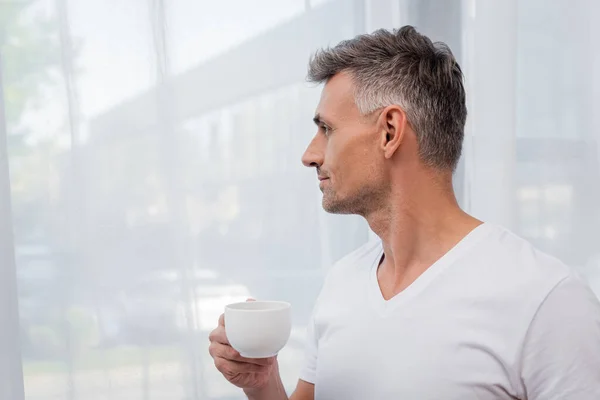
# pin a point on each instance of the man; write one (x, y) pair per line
(443, 306)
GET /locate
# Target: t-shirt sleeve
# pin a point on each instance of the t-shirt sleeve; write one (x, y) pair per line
(309, 368)
(561, 353)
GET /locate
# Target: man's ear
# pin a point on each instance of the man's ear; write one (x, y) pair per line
(392, 125)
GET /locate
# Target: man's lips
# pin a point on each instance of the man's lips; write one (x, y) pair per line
(322, 178)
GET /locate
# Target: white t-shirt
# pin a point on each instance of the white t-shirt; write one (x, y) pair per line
(493, 319)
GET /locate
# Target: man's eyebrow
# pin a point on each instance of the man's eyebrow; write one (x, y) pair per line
(318, 120)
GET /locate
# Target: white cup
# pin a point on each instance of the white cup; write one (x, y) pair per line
(258, 329)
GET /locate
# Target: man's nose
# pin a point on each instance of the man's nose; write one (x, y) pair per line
(313, 156)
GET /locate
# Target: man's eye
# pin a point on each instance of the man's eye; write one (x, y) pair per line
(326, 130)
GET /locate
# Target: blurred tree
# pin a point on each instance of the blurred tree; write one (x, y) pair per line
(29, 66)
(29, 61)
(29, 49)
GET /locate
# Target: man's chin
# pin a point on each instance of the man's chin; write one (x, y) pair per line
(336, 208)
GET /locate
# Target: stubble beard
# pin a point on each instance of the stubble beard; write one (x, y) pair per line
(363, 202)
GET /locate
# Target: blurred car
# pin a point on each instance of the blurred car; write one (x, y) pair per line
(162, 306)
(210, 301)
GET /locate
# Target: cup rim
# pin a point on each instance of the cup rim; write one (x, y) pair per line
(283, 305)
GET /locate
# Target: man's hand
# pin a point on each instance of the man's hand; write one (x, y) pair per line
(246, 373)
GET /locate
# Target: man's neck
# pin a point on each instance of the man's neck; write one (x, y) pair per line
(416, 231)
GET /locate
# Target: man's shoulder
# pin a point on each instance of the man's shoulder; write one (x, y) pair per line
(515, 261)
(519, 254)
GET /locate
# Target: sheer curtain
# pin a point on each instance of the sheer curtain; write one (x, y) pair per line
(150, 174)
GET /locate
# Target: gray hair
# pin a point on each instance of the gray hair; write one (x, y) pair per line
(405, 68)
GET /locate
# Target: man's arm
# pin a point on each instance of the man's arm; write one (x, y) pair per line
(304, 391)
(275, 391)
(561, 353)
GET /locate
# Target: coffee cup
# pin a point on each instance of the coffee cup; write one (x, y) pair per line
(258, 329)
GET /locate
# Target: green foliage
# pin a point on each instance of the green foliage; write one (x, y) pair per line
(84, 329)
(29, 50)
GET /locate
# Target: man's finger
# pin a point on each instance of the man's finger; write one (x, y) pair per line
(258, 361)
(219, 336)
(218, 350)
(229, 367)
(222, 320)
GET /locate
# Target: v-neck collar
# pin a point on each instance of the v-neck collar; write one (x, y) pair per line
(383, 307)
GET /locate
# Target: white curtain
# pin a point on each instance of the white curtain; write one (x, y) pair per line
(150, 173)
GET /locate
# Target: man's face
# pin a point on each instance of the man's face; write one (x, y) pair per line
(346, 152)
